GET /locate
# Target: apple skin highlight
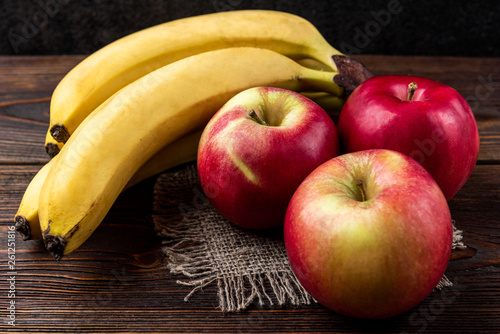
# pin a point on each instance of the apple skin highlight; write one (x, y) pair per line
(249, 171)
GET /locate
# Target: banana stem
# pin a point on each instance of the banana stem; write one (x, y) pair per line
(321, 82)
(323, 52)
(326, 101)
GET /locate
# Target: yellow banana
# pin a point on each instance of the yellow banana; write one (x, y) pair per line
(331, 104)
(114, 66)
(157, 109)
(314, 64)
(179, 152)
(26, 219)
(182, 151)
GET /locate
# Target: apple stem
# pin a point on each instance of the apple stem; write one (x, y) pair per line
(256, 117)
(411, 90)
(361, 186)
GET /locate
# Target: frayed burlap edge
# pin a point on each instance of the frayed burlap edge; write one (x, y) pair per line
(195, 239)
(236, 292)
(185, 246)
(456, 244)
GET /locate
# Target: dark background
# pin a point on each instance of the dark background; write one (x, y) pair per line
(453, 28)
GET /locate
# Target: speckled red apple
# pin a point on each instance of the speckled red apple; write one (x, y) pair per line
(257, 149)
(369, 234)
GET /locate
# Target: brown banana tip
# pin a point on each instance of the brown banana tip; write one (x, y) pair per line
(351, 73)
(59, 133)
(22, 227)
(55, 245)
(51, 149)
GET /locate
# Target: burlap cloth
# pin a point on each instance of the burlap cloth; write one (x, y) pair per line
(207, 250)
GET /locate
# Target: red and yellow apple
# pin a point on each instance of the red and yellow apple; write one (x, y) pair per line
(257, 149)
(424, 119)
(369, 234)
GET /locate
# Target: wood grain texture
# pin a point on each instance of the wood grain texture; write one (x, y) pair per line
(117, 282)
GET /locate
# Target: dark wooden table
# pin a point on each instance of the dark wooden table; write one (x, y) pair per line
(117, 281)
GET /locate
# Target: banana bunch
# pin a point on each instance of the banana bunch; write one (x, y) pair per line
(138, 106)
(182, 151)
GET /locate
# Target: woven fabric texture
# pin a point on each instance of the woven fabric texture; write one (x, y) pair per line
(205, 249)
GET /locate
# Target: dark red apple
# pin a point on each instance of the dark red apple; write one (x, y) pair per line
(424, 119)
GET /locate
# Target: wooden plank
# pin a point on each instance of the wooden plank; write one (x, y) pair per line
(15, 178)
(32, 77)
(29, 83)
(477, 79)
(117, 280)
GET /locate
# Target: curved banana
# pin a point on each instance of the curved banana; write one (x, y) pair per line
(126, 130)
(114, 66)
(26, 219)
(182, 151)
(179, 152)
